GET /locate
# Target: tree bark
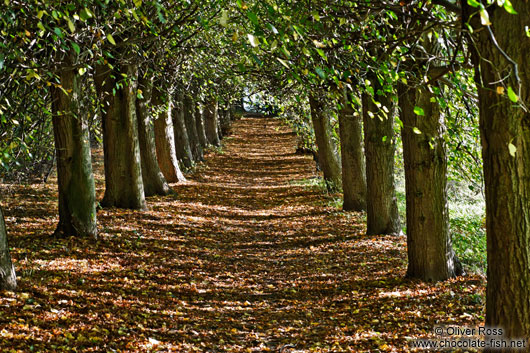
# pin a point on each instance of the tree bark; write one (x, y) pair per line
(77, 195)
(153, 179)
(8, 277)
(165, 141)
(210, 123)
(191, 128)
(379, 146)
(199, 122)
(182, 142)
(430, 253)
(352, 156)
(123, 173)
(225, 122)
(327, 151)
(505, 135)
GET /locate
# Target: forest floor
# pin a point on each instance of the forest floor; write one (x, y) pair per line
(245, 257)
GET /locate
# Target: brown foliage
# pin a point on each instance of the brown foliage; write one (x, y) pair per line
(239, 260)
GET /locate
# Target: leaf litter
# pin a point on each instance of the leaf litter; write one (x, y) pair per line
(243, 258)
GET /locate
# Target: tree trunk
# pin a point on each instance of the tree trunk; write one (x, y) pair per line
(379, 146)
(123, 173)
(165, 141)
(153, 179)
(199, 122)
(225, 122)
(327, 151)
(77, 195)
(182, 142)
(430, 253)
(353, 168)
(8, 277)
(191, 128)
(210, 123)
(219, 118)
(505, 135)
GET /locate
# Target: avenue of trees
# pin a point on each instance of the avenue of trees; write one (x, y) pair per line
(158, 83)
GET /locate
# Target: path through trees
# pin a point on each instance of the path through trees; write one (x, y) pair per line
(245, 257)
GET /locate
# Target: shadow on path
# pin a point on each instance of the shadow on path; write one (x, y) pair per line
(242, 259)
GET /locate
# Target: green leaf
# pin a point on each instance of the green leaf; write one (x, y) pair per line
(322, 54)
(70, 25)
(137, 3)
(419, 111)
(85, 14)
(76, 48)
(509, 7)
(111, 40)
(253, 40)
(321, 73)
(252, 17)
(58, 31)
(473, 3)
(272, 28)
(416, 131)
(512, 149)
(511, 94)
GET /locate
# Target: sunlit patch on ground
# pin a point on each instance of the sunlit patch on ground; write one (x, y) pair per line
(244, 258)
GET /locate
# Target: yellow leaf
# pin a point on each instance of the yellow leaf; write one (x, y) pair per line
(71, 25)
(500, 90)
(110, 38)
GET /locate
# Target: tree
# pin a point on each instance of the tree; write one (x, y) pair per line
(210, 116)
(153, 179)
(182, 140)
(352, 157)
(8, 278)
(77, 195)
(327, 151)
(165, 139)
(430, 253)
(191, 127)
(199, 122)
(379, 146)
(123, 173)
(500, 58)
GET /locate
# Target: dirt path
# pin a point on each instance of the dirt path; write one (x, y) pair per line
(244, 258)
